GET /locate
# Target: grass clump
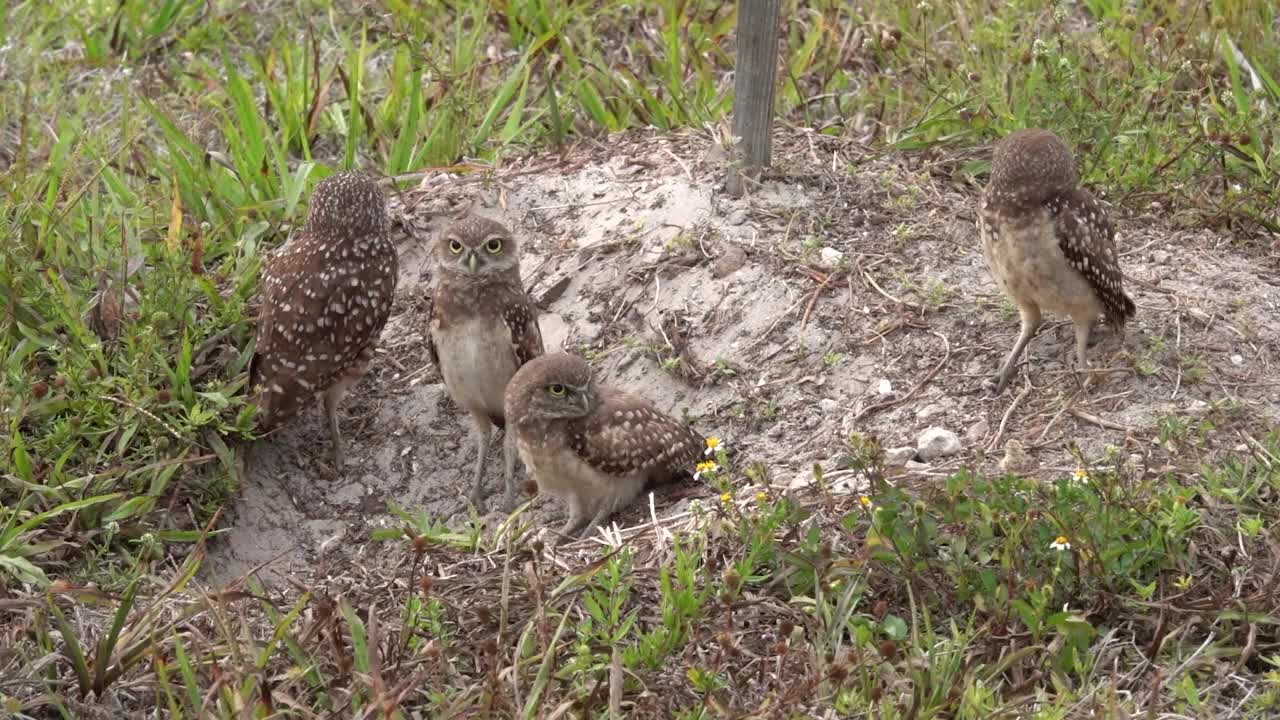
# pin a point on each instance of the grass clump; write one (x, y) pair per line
(976, 596)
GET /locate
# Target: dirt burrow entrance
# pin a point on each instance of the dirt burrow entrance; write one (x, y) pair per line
(846, 294)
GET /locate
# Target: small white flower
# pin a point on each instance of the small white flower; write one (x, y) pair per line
(1060, 543)
(713, 444)
(704, 468)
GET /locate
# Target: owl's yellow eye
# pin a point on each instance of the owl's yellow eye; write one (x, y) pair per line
(494, 246)
(455, 247)
(556, 389)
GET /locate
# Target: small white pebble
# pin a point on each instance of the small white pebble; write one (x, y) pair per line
(830, 257)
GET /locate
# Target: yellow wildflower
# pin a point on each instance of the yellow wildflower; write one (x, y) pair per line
(1060, 543)
(704, 468)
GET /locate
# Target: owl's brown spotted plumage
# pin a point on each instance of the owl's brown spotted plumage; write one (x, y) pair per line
(483, 328)
(596, 447)
(1048, 242)
(326, 295)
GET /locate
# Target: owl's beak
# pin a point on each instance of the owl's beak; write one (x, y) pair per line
(471, 263)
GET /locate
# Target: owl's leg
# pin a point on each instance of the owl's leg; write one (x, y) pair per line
(576, 520)
(606, 509)
(1030, 323)
(509, 468)
(1083, 330)
(484, 434)
(332, 397)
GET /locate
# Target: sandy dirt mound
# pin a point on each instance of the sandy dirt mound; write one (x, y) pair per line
(846, 294)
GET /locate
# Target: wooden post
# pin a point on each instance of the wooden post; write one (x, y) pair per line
(754, 78)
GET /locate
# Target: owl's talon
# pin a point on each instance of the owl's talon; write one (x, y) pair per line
(994, 385)
(1085, 379)
(338, 456)
(567, 532)
(509, 503)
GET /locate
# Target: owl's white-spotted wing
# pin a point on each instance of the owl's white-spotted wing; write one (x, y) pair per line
(1087, 238)
(521, 319)
(626, 435)
(318, 317)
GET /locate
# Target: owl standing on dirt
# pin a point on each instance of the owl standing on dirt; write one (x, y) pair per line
(483, 328)
(326, 295)
(1048, 242)
(596, 447)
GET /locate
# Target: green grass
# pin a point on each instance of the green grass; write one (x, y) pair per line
(150, 152)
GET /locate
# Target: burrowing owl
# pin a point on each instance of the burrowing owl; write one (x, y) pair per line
(1048, 242)
(593, 446)
(483, 328)
(326, 296)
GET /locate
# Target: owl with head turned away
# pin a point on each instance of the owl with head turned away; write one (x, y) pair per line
(326, 296)
(1049, 243)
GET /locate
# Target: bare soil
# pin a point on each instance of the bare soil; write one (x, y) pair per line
(846, 294)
